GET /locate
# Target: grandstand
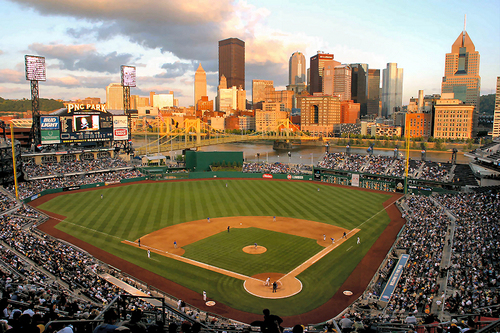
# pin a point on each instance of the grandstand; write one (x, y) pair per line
(452, 240)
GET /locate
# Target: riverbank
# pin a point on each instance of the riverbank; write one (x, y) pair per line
(391, 144)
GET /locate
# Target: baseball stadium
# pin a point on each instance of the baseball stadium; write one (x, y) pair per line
(352, 243)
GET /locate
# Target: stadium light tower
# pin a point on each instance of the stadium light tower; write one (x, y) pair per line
(35, 71)
(128, 80)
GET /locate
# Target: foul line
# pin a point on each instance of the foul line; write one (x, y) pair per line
(309, 262)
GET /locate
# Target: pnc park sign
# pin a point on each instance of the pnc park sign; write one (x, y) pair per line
(79, 107)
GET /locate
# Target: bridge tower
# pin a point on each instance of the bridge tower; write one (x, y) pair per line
(193, 125)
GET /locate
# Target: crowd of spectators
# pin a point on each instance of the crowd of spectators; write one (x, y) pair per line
(423, 239)
(435, 171)
(277, 167)
(43, 276)
(475, 268)
(33, 187)
(33, 170)
(6, 203)
(471, 277)
(385, 165)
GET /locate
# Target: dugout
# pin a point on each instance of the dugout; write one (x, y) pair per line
(202, 160)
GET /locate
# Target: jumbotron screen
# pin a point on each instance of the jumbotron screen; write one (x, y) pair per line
(86, 127)
(86, 123)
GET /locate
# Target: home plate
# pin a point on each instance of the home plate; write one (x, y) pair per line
(210, 303)
(347, 292)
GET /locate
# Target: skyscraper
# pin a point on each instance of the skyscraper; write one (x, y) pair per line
(496, 117)
(297, 69)
(392, 89)
(232, 62)
(359, 86)
(461, 72)
(342, 82)
(200, 84)
(321, 70)
(114, 96)
(373, 104)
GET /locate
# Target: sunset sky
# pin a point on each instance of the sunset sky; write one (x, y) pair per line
(86, 42)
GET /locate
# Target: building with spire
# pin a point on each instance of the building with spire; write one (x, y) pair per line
(461, 72)
(297, 69)
(200, 84)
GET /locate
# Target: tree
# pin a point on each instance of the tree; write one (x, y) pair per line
(487, 104)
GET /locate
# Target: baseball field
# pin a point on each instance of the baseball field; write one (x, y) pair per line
(221, 236)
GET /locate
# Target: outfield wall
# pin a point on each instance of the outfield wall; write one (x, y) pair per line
(80, 187)
(387, 184)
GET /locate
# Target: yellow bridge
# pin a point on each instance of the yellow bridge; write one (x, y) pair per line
(194, 133)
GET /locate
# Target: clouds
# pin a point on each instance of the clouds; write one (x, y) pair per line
(82, 57)
(186, 33)
(186, 28)
(11, 76)
(175, 69)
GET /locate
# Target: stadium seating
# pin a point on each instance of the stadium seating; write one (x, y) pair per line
(452, 240)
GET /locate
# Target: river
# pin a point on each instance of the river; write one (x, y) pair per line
(263, 151)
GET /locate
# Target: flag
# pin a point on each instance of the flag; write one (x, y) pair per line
(148, 124)
(161, 117)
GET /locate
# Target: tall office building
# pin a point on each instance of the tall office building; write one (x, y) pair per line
(321, 72)
(259, 90)
(319, 113)
(392, 89)
(452, 118)
(342, 82)
(297, 69)
(359, 86)
(232, 62)
(114, 96)
(200, 84)
(461, 72)
(496, 117)
(373, 104)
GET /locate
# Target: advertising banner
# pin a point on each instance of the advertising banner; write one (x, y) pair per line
(120, 134)
(393, 280)
(50, 137)
(120, 122)
(120, 128)
(49, 123)
(355, 179)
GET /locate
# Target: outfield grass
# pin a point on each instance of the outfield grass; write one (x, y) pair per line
(128, 212)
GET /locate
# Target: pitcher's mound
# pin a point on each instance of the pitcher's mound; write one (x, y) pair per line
(251, 249)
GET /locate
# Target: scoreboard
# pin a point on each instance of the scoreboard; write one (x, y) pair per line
(83, 124)
(86, 127)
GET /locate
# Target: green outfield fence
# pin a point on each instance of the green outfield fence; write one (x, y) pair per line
(387, 184)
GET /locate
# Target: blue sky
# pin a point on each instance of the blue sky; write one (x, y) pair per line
(85, 42)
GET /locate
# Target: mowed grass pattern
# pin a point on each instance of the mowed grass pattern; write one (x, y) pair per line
(128, 212)
(225, 250)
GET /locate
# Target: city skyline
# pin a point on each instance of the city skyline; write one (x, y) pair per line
(86, 43)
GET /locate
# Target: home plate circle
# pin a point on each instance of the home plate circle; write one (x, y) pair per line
(347, 292)
(210, 303)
